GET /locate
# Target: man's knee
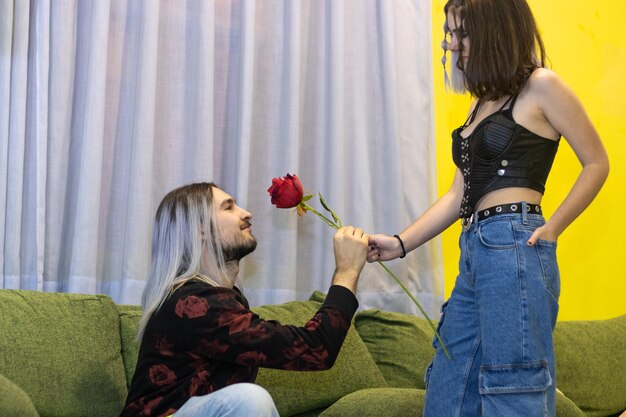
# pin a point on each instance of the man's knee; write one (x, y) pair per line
(256, 400)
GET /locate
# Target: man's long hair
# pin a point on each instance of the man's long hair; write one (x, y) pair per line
(185, 245)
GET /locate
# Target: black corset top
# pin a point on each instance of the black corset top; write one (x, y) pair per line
(500, 153)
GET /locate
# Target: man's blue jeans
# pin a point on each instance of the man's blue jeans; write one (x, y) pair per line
(497, 325)
(237, 400)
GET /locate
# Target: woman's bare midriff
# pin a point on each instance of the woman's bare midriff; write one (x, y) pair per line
(508, 195)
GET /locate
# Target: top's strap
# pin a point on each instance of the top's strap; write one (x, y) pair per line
(511, 100)
(472, 116)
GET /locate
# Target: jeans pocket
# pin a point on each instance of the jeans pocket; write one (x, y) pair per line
(546, 251)
(498, 235)
(514, 378)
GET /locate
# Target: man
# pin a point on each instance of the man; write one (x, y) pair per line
(201, 346)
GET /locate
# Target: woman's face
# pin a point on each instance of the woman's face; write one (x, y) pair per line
(458, 41)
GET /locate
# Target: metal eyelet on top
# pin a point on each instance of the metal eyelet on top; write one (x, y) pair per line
(498, 209)
(514, 207)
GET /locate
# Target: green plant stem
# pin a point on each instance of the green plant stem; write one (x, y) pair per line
(320, 215)
(406, 290)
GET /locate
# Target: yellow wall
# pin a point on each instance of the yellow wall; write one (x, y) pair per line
(586, 46)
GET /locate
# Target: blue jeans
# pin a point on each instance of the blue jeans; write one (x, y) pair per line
(497, 325)
(237, 400)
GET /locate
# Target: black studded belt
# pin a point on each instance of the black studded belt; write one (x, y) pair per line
(507, 209)
(500, 209)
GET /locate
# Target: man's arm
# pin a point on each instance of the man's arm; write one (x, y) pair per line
(228, 331)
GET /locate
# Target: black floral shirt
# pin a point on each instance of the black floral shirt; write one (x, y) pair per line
(204, 338)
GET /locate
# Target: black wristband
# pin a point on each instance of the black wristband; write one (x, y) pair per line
(401, 245)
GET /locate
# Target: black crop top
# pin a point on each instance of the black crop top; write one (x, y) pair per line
(498, 154)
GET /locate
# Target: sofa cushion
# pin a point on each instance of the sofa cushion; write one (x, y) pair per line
(299, 392)
(311, 413)
(64, 351)
(400, 344)
(15, 402)
(565, 407)
(388, 402)
(591, 364)
(129, 325)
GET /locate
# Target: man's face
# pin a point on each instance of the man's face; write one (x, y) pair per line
(234, 226)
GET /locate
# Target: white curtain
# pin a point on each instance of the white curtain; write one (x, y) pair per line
(105, 105)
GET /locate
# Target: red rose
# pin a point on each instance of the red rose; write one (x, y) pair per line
(161, 375)
(191, 307)
(286, 192)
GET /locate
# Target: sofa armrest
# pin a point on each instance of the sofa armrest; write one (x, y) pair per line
(15, 402)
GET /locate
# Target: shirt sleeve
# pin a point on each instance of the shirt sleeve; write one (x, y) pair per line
(218, 325)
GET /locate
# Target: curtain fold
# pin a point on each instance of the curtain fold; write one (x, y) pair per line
(107, 105)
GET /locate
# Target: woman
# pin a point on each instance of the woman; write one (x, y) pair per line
(497, 324)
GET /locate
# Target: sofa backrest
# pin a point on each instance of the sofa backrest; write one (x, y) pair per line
(64, 351)
(129, 326)
(401, 345)
(591, 364)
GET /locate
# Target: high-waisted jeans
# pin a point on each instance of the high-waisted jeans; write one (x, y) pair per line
(497, 325)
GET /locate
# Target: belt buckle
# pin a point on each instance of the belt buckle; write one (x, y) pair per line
(466, 222)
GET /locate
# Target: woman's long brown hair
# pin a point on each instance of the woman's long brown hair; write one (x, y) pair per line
(505, 45)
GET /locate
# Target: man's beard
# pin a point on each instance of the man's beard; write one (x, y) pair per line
(242, 246)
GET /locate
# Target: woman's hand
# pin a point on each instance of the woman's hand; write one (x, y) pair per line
(542, 233)
(383, 248)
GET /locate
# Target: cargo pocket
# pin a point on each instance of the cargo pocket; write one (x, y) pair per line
(514, 378)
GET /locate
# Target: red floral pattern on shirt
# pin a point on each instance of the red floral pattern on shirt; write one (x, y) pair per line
(204, 338)
(163, 346)
(161, 375)
(192, 307)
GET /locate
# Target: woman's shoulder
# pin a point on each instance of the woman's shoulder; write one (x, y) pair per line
(545, 81)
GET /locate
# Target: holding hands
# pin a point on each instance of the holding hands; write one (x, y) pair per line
(350, 245)
(384, 248)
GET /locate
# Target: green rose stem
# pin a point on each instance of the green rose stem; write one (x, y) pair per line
(406, 290)
(320, 215)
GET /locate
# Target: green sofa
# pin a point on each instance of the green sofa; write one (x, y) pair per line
(73, 355)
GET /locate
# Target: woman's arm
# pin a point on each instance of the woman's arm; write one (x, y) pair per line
(434, 221)
(564, 111)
